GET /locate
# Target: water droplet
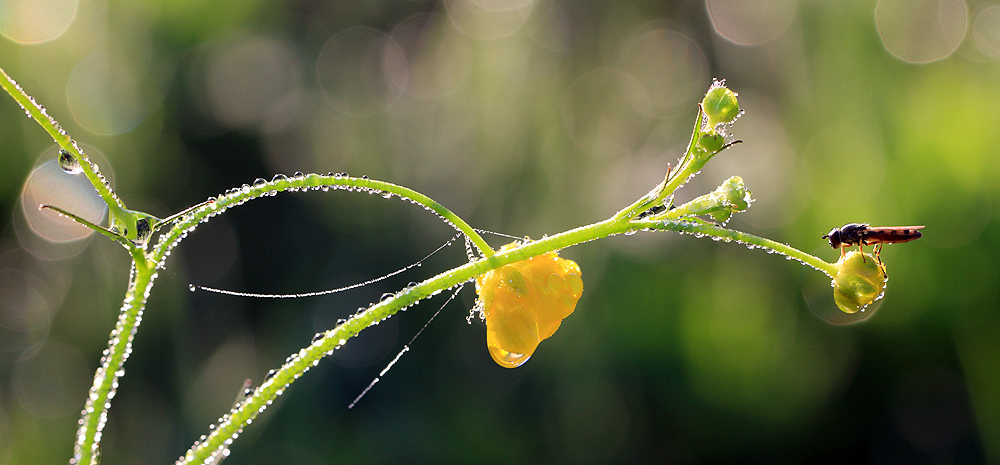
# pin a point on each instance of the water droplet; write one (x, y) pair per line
(192, 287)
(259, 182)
(269, 375)
(279, 177)
(68, 163)
(317, 337)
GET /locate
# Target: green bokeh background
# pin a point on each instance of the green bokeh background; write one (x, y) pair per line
(525, 118)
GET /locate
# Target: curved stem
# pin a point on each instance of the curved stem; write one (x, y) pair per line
(707, 229)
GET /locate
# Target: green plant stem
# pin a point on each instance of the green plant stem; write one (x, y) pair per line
(699, 228)
(55, 130)
(689, 165)
(232, 424)
(86, 450)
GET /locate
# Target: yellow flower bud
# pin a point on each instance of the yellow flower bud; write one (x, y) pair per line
(860, 280)
(524, 302)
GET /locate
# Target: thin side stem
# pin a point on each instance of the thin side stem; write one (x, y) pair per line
(729, 235)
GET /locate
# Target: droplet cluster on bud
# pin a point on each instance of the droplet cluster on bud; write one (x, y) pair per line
(720, 106)
(860, 280)
(525, 302)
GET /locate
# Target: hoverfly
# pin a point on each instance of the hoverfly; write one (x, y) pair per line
(861, 234)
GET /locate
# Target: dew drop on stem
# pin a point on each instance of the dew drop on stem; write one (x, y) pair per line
(68, 163)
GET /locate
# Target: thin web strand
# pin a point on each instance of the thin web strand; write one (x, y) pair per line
(406, 348)
(194, 287)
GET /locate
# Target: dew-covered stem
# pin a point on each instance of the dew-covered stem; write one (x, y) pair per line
(700, 229)
(86, 450)
(54, 129)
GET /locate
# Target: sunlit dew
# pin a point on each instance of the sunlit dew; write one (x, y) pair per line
(751, 21)
(356, 70)
(48, 184)
(986, 31)
(36, 20)
(921, 31)
(105, 95)
(488, 19)
(669, 66)
(605, 111)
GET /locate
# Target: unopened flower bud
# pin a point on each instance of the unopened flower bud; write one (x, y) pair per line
(720, 105)
(860, 280)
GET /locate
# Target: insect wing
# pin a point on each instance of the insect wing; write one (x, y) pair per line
(892, 234)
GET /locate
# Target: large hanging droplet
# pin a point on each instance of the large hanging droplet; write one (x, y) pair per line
(68, 163)
(525, 302)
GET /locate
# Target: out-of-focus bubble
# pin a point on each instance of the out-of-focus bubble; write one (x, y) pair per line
(51, 381)
(26, 301)
(105, 95)
(670, 67)
(488, 19)
(355, 71)
(48, 184)
(751, 21)
(211, 251)
(921, 31)
(31, 292)
(986, 31)
(218, 380)
(564, 25)
(605, 111)
(33, 21)
(845, 166)
(253, 82)
(958, 210)
(436, 59)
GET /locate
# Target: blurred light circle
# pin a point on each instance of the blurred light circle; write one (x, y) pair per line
(605, 111)
(25, 300)
(986, 31)
(33, 21)
(356, 69)
(252, 82)
(436, 60)
(48, 184)
(105, 95)
(488, 19)
(845, 166)
(956, 211)
(921, 31)
(51, 381)
(670, 67)
(751, 21)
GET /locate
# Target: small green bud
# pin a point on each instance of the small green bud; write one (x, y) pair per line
(711, 143)
(731, 196)
(860, 280)
(720, 105)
